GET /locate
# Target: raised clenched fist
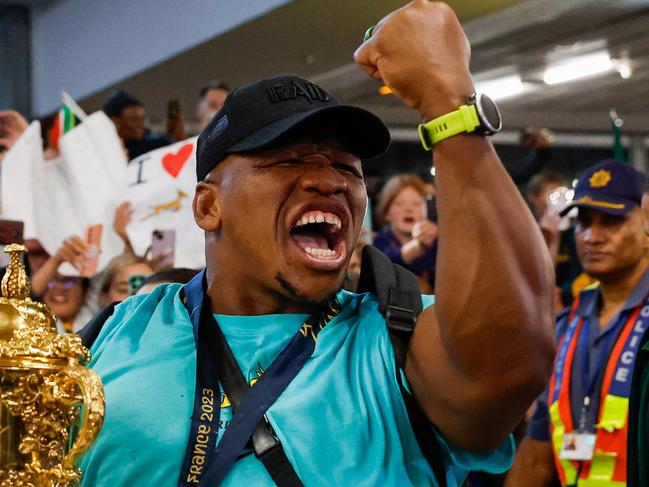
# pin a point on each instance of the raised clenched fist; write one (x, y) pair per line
(421, 52)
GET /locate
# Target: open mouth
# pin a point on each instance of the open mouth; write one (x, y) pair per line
(408, 220)
(58, 298)
(318, 234)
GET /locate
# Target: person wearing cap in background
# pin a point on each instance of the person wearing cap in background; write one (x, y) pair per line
(128, 115)
(281, 199)
(638, 474)
(578, 432)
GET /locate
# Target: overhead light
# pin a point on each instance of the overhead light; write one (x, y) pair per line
(385, 90)
(500, 88)
(624, 67)
(578, 67)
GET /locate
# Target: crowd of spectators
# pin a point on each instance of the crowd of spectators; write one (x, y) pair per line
(407, 230)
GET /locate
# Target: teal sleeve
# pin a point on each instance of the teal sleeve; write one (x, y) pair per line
(427, 300)
(461, 461)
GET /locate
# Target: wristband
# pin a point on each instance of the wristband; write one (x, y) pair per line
(464, 119)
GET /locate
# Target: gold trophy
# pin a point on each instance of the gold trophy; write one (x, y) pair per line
(51, 405)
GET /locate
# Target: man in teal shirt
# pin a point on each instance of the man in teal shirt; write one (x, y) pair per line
(281, 198)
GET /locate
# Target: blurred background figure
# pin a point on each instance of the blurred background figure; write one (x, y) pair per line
(212, 96)
(539, 189)
(408, 238)
(12, 125)
(129, 116)
(66, 296)
(122, 276)
(175, 275)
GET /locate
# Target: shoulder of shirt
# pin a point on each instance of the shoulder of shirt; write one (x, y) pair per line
(135, 309)
(370, 303)
(584, 297)
(383, 236)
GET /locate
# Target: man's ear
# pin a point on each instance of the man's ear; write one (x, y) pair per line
(207, 206)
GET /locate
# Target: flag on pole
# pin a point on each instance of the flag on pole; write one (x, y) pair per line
(619, 152)
(69, 116)
(64, 122)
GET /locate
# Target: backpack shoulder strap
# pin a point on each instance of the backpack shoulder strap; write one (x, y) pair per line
(397, 291)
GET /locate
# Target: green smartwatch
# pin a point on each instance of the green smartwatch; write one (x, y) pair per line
(480, 116)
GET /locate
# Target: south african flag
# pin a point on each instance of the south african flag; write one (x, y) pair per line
(64, 122)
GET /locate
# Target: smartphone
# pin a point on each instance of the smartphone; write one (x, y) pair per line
(173, 109)
(163, 247)
(431, 208)
(93, 239)
(11, 231)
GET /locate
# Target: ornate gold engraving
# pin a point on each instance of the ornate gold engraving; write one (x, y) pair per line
(46, 393)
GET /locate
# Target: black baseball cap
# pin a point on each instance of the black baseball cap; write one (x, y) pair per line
(259, 114)
(612, 187)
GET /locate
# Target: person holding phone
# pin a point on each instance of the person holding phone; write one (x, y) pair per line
(65, 295)
(408, 238)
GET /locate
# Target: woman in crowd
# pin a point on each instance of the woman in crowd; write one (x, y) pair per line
(65, 295)
(122, 276)
(408, 238)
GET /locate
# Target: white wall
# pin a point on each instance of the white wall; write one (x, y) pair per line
(83, 46)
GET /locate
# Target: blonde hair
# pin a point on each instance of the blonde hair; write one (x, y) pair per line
(393, 187)
(116, 265)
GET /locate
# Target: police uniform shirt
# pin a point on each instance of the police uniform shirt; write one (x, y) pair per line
(599, 341)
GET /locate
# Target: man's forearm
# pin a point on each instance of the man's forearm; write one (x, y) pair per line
(533, 467)
(494, 274)
(44, 275)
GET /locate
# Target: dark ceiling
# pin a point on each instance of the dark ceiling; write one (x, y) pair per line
(315, 38)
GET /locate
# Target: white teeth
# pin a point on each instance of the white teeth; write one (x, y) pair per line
(320, 217)
(319, 252)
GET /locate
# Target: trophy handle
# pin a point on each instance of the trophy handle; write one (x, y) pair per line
(93, 411)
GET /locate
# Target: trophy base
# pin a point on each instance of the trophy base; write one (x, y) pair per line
(38, 405)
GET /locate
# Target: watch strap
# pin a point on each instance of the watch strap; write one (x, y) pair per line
(464, 119)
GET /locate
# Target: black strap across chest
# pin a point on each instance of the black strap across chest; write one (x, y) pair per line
(399, 302)
(208, 463)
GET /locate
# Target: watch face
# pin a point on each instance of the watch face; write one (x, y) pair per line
(489, 114)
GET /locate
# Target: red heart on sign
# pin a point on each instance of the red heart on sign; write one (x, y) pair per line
(173, 163)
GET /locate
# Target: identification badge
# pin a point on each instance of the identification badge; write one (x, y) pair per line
(577, 446)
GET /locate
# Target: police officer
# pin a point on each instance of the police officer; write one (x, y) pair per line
(578, 433)
(638, 474)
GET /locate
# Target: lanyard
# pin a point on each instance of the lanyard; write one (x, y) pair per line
(589, 383)
(205, 462)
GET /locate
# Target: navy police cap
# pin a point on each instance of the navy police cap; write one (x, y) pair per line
(259, 114)
(611, 187)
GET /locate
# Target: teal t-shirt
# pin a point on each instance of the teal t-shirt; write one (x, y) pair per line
(342, 420)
